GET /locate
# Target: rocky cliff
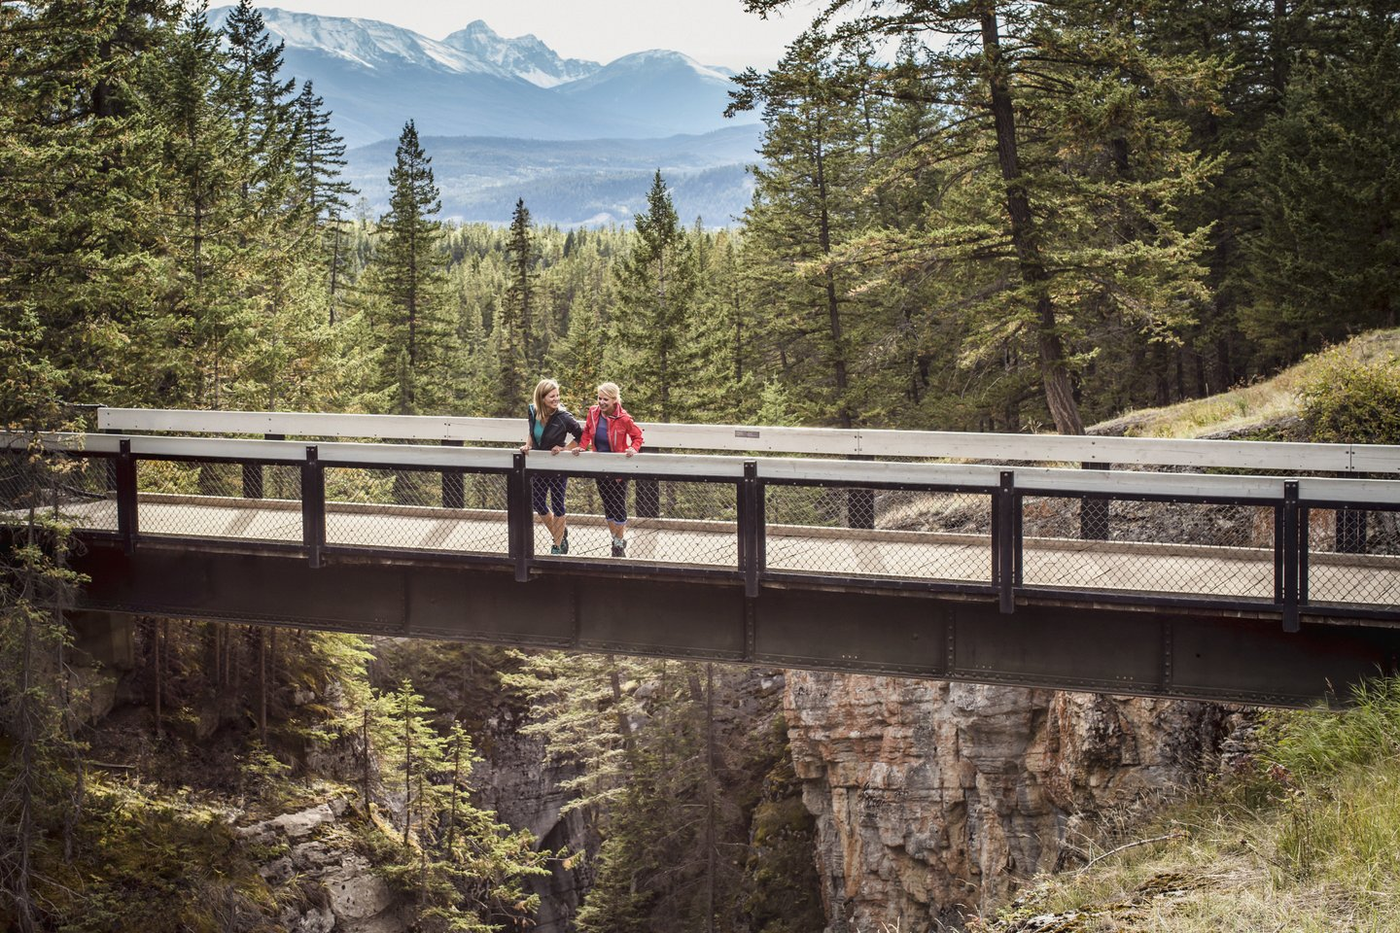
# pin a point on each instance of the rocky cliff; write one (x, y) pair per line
(933, 800)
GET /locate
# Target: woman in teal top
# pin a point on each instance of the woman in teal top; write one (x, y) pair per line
(550, 425)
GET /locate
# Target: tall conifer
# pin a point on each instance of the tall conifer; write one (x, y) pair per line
(657, 283)
(412, 319)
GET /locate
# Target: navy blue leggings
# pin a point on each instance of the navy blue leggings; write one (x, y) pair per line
(553, 485)
(613, 492)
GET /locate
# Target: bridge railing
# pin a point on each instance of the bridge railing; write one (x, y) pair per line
(1236, 543)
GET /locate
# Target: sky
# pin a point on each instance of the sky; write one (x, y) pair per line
(714, 32)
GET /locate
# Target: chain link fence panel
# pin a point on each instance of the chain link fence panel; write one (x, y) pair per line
(682, 522)
(72, 489)
(883, 533)
(406, 510)
(205, 499)
(1354, 556)
(1187, 548)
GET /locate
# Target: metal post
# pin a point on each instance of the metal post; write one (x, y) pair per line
(860, 503)
(1351, 531)
(1004, 541)
(1289, 554)
(128, 524)
(453, 489)
(519, 530)
(648, 495)
(110, 467)
(750, 528)
(1093, 512)
(313, 506)
(252, 481)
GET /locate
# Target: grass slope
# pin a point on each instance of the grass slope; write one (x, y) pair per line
(1261, 405)
(1306, 837)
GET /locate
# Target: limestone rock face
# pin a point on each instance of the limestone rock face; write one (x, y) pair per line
(355, 898)
(521, 785)
(933, 800)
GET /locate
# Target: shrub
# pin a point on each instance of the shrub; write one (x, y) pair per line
(1353, 403)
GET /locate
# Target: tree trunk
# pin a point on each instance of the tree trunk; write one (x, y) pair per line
(710, 791)
(1059, 393)
(262, 686)
(833, 306)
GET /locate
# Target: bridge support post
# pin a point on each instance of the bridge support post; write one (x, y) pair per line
(453, 487)
(1290, 555)
(519, 527)
(313, 506)
(1093, 511)
(751, 527)
(648, 495)
(128, 526)
(1005, 540)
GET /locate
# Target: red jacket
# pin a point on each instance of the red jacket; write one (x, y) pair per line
(622, 430)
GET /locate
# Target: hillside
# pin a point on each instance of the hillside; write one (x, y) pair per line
(1302, 838)
(1263, 405)
(1302, 834)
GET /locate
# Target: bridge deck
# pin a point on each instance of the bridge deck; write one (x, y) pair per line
(1246, 573)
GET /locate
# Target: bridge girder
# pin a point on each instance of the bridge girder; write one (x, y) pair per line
(1203, 654)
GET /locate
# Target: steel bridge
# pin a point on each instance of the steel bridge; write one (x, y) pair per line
(1254, 572)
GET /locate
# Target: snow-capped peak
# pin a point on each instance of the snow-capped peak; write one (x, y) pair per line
(477, 49)
(524, 56)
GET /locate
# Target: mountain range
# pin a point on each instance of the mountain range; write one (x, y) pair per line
(509, 118)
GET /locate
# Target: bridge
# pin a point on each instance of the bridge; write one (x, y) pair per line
(1253, 572)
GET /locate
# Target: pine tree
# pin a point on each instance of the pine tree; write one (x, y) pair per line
(1322, 264)
(463, 867)
(320, 157)
(806, 203)
(411, 315)
(263, 113)
(205, 307)
(657, 283)
(1065, 169)
(519, 342)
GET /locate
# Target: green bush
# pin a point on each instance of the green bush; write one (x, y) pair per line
(1353, 403)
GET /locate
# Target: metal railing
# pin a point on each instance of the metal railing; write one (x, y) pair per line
(1295, 546)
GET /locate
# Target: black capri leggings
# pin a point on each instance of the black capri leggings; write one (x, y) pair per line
(613, 492)
(554, 484)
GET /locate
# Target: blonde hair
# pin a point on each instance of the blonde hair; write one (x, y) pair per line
(543, 388)
(611, 390)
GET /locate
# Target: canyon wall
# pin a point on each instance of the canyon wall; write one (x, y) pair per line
(934, 800)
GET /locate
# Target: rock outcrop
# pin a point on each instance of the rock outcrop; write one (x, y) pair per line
(519, 783)
(348, 895)
(933, 800)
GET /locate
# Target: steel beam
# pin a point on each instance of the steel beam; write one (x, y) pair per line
(1076, 646)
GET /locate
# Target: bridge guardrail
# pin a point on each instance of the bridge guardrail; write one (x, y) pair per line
(1230, 542)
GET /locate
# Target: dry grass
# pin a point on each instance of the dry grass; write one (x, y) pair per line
(1264, 402)
(1310, 841)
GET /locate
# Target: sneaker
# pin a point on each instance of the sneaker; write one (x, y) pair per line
(564, 544)
(555, 549)
(619, 547)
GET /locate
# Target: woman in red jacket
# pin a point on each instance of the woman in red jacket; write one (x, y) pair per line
(610, 429)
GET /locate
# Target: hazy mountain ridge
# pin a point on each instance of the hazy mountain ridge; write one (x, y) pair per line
(509, 118)
(375, 76)
(573, 182)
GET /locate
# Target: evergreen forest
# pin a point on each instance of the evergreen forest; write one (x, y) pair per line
(966, 216)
